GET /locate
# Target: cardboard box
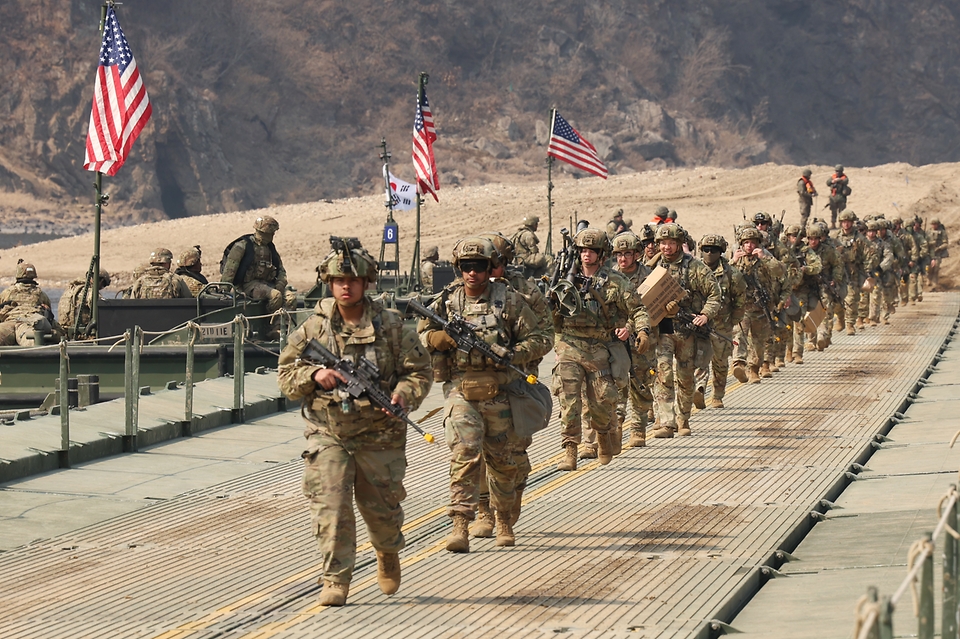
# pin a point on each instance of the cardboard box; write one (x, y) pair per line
(813, 317)
(656, 290)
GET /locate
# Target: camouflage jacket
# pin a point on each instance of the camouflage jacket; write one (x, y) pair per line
(810, 268)
(504, 319)
(697, 279)
(611, 303)
(805, 195)
(832, 269)
(22, 299)
(381, 338)
(850, 250)
(921, 240)
(69, 304)
(426, 275)
(733, 291)
(263, 265)
(538, 304)
(194, 281)
(938, 242)
(525, 244)
(760, 276)
(791, 268)
(158, 283)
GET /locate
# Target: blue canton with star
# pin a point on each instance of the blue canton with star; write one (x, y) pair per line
(114, 49)
(564, 130)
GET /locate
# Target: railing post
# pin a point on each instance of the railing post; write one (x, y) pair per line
(188, 380)
(132, 404)
(128, 392)
(238, 370)
(926, 617)
(886, 618)
(64, 408)
(948, 622)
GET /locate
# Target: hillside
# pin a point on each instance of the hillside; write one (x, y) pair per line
(257, 104)
(708, 201)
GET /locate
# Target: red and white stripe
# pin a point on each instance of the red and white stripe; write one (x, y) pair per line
(121, 108)
(582, 156)
(428, 180)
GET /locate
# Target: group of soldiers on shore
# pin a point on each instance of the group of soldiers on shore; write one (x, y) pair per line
(752, 307)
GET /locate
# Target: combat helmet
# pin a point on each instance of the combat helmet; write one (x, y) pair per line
(266, 224)
(762, 217)
(503, 246)
(161, 256)
(935, 220)
(347, 259)
(838, 168)
(749, 233)
(671, 231)
(475, 248)
(873, 225)
(847, 215)
(432, 253)
(626, 241)
(793, 229)
(713, 240)
(592, 239)
(646, 234)
(26, 271)
(189, 257)
(917, 220)
(104, 277)
(817, 230)
(662, 212)
(896, 219)
(531, 221)
(807, 173)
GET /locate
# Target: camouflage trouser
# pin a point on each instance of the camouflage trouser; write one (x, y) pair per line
(808, 300)
(719, 367)
(915, 286)
(332, 478)
(825, 330)
(22, 330)
(837, 205)
(275, 299)
(583, 368)
(804, 212)
(776, 344)
(883, 298)
(849, 310)
(933, 275)
(674, 394)
(475, 430)
(638, 394)
(754, 331)
(518, 450)
(8, 333)
(863, 310)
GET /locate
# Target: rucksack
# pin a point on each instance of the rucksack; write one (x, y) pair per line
(155, 286)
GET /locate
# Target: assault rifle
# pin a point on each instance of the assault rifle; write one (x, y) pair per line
(568, 260)
(685, 319)
(825, 285)
(465, 335)
(363, 378)
(762, 299)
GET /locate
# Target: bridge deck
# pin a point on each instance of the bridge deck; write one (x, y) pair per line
(657, 543)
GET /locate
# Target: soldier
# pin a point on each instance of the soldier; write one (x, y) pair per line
(526, 244)
(839, 185)
(883, 299)
(70, 302)
(25, 309)
(732, 308)
(850, 248)
(760, 270)
(806, 192)
(939, 249)
(918, 261)
(430, 259)
(701, 299)
(483, 525)
(616, 225)
(872, 254)
(660, 217)
(807, 290)
(781, 290)
(639, 391)
(591, 356)
(648, 241)
(190, 270)
(252, 264)
(353, 448)
(479, 419)
(831, 280)
(157, 282)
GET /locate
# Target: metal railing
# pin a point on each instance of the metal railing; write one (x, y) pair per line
(874, 614)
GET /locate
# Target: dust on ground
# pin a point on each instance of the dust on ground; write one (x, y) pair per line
(708, 200)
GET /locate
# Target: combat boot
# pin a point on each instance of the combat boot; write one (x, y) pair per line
(716, 402)
(765, 371)
(837, 325)
(810, 346)
(822, 343)
(334, 594)
(570, 458)
(517, 503)
(788, 356)
(458, 540)
(859, 323)
(773, 366)
(798, 359)
(617, 440)
(638, 437)
(886, 321)
(754, 375)
(851, 330)
(739, 372)
(388, 572)
(683, 426)
(586, 451)
(482, 526)
(698, 398)
(664, 432)
(505, 536)
(780, 362)
(605, 447)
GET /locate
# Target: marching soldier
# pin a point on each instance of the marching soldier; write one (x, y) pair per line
(353, 449)
(806, 192)
(25, 309)
(884, 298)
(639, 392)
(157, 282)
(831, 280)
(732, 308)
(807, 290)
(674, 395)
(781, 290)
(918, 261)
(839, 185)
(190, 270)
(850, 245)
(616, 225)
(760, 270)
(592, 359)
(938, 247)
(479, 419)
(527, 247)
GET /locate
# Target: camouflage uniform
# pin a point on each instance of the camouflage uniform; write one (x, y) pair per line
(760, 275)
(359, 452)
(872, 254)
(589, 354)
(70, 303)
(426, 268)
(805, 193)
(850, 249)
(616, 226)
(939, 249)
(781, 291)
(253, 265)
(806, 293)
(24, 310)
(194, 279)
(839, 185)
(733, 302)
(883, 299)
(920, 257)
(674, 395)
(526, 247)
(156, 282)
(831, 271)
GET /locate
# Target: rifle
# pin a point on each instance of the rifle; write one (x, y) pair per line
(831, 290)
(762, 299)
(562, 295)
(363, 378)
(685, 319)
(465, 335)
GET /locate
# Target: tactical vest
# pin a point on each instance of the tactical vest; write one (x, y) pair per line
(156, 283)
(25, 299)
(680, 271)
(259, 263)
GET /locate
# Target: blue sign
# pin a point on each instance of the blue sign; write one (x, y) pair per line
(390, 233)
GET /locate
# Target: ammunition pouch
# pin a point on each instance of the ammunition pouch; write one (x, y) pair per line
(530, 405)
(477, 386)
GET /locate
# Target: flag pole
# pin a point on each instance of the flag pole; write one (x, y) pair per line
(94, 275)
(549, 244)
(416, 278)
(385, 156)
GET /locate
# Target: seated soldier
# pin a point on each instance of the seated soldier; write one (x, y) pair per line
(74, 301)
(157, 282)
(189, 269)
(25, 309)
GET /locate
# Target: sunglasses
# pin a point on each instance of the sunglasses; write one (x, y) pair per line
(474, 266)
(710, 249)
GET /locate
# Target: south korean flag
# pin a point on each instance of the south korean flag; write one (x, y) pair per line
(403, 194)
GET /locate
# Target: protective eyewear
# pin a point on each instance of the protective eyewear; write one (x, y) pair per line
(710, 249)
(475, 266)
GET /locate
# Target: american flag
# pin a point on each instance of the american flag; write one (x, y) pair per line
(571, 147)
(424, 135)
(121, 107)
